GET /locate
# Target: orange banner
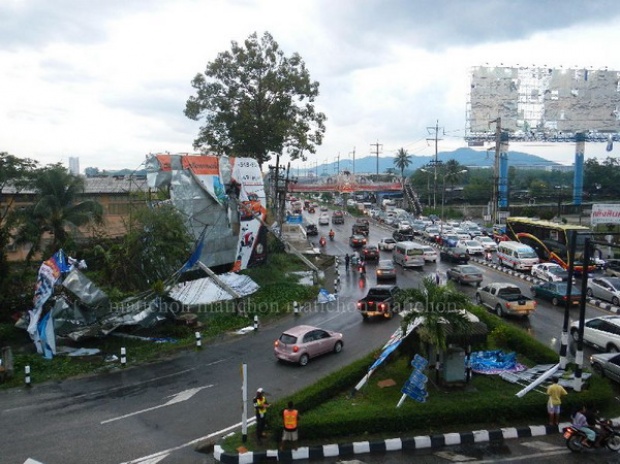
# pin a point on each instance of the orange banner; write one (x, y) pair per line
(208, 165)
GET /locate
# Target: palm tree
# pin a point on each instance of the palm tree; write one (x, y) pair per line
(402, 161)
(441, 306)
(57, 209)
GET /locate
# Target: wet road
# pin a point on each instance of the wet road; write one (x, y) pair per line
(157, 413)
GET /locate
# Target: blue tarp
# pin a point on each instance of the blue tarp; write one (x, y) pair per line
(493, 361)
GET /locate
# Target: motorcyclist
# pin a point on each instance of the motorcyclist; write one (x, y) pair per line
(580, 422)
(362, 268)
(322, 241)
(593, 421)
(331, 234)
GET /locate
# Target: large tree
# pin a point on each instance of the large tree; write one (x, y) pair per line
(16, 175)
(402, 161)
(255, 101)
(59, 209)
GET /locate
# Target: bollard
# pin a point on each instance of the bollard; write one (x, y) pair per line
(123, 356)
(198, 340)
(27, 375)
(295, 308)
(255, 322)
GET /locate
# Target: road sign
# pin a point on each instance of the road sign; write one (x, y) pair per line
(414, 392)
(418, 362)
(418, 378)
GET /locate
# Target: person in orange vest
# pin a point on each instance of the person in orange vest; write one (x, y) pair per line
(290, 418)
(260, 406)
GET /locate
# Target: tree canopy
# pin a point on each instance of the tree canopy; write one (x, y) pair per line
(402, 161)
(256, 101)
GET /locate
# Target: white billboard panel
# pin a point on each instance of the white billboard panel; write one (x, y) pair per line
(544, 100)
(605, 214)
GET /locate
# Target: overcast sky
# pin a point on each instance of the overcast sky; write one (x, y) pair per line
(107, 80)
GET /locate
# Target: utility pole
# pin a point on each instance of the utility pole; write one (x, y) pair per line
(354, 161)
(495, 195)
(377, 147)
(435, 161)
(338, 169)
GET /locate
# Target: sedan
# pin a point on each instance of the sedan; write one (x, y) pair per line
(385, 271)
(605, 288)
(449, 240)
(557, 293)
(551, 272)
(471, 246)
(387, 244)
(370, 253)
(454, 255)
(303, 342)
(357, 241)
(324, 219)
(607, 365)
(487, 243)
(612, 267)
(465, 274)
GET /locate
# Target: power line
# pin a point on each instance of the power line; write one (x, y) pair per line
(378, 148)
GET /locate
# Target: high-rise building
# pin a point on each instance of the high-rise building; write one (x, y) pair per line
(74, 165)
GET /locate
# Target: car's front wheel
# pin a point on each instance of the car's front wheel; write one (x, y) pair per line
(338, 347)
(614, 301)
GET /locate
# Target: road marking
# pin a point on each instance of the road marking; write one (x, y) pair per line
(177, 398)
(526, 457)
(454, 457)
(541, 445)
(145, 459)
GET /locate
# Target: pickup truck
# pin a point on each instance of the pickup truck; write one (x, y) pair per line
(379, 301)
(505, 299)
(360, 228)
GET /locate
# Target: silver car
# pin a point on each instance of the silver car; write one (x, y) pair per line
(605, 288)
(607, 365)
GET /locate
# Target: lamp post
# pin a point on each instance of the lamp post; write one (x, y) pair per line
(443, 192)
(428, 186)
(559, 189)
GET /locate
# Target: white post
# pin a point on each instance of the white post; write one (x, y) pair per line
(244, 402)
(256, 322)
(123, 356)
(198, 340)
(539, 380)
(401, 400)
(27, 375)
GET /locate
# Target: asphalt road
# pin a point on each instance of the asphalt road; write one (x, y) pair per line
(159, 412)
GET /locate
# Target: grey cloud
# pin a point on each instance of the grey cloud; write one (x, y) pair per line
(35, 23)
(434, 25)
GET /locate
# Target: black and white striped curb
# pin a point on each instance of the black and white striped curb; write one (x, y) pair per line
(390, 444)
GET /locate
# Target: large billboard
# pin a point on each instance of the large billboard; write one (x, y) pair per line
(539, 102)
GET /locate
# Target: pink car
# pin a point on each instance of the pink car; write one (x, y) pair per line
(300, 343)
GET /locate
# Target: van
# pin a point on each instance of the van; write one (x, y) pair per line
(516, 255)
(408, 254)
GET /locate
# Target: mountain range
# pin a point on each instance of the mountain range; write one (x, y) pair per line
(465, 156)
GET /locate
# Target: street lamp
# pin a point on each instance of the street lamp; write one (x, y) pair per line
(443, 192)
(428, 185)
(559, 189)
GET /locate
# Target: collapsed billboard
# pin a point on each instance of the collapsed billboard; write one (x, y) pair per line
(222, 200)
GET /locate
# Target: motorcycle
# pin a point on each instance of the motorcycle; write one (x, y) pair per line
(322, 241)
(331, 236)
(575, 438)
(361, 268)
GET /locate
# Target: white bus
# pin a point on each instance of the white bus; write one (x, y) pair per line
(516, 255)
(408, 254)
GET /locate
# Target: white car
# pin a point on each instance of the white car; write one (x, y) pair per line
(462, 234)
(324, 219)
(551, 272)
(404, 225)
(605, 288)
(473, 247)
(429, 254)
(386, 244)
(487, 243)
(602, 332)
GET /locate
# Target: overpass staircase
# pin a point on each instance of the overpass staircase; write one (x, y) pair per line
(412, 199)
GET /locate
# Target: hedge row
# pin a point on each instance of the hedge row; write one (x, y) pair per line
(328, 409)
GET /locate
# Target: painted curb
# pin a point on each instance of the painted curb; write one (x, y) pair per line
(391, 444)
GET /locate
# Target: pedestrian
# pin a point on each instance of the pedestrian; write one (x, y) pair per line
(555, 391)
(290, 418)
(347, 260)
(260, 406)
(437, 278)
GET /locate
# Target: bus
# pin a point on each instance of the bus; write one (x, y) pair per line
(550, 240)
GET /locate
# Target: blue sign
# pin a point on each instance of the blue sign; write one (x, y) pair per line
(414, 392)
(418, 362)
(418, 379)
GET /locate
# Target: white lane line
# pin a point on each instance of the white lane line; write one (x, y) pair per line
(177, 398)
(523, 458)
(145, 459)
